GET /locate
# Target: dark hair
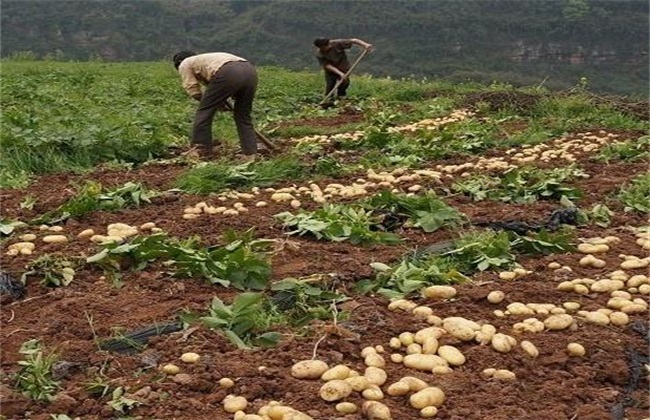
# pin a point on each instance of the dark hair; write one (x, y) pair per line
(180, 56)
(321, 42)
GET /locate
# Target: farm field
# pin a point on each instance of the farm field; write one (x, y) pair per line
(419, 229)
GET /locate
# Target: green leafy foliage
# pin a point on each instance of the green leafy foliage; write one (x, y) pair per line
(55, 271)
(210, 177)
(544, 242)
(8, 227)
(34, 378)
(337, 222)
(631, 150)
(303, 300)
(599, 215)
(427, 211)
(120, 402)
(522, 185)
(92, 197)
(239, 262)
(636, 195)
(244, 321)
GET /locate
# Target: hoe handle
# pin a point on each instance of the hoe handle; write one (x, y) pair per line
(345, 76)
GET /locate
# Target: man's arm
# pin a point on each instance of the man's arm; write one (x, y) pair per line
(333, 69)
(190, 82)
(361, 43)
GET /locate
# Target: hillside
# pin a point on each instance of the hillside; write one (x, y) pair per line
(527, 42)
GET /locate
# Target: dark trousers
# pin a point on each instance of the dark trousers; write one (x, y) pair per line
(330, 82)
(238, 80)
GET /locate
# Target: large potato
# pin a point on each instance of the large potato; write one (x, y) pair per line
(439, 292)
(558, 322)
(375, 375)
(232, 403)
(452, 355)
(335, 390)
(424, 362)
(501, 343)
(374, 410)
(337, 372)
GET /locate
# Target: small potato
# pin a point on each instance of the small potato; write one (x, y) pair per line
(374, 360)
(367, 351)
(529, 348)
(507, 275)
(430, 346)
(232, 403)
(504, 375)
(226, 383)
(619, 318)
(27, 237)
(575, 349)
(396, 358)
(496, 296)
(308, 369)
(407, 338)
(571, 306)
(558, 322)
(439, 292)
(430, 396)
(424, 362)
(422, 312)
(452, 355)
(398, 388)
(375, 375)
(373, 393)
(415, 384)
(337, 372)
(335, 390)
(414, 348)
(346, 408)
(395, 343)
(597, 318)
(55, 239)
(428, 412)
(501, 343)
(421, 335)
(374, 410)
(190, 357)
(170, 369)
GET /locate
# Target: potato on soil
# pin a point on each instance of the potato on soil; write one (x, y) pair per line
(504, 375)
(374, 410)
(430, 396)
(398, 388)
(335, 390)
(281, 412)
(226, 383)
(529, 348)
(170, 369)
(575, 349)
(190, 357)
(428, 412)
(373, 393)
(308, 369)
(424, 362)
(452, 355)
(496, 296)
(501, 343)
(232, 403)
(55, 239)
(337, 372)
(346, 408)
(558, 322)
(439, 292)
(375, 375)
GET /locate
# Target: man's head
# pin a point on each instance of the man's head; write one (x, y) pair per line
(180, 56)
(321, 42)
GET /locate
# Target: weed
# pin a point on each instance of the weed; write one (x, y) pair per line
(8, 227)
(120, 403)
(34, 378)
(629, 150)
(302, 300)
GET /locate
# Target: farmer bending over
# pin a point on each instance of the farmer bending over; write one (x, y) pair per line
(225, 76)
(331, 55)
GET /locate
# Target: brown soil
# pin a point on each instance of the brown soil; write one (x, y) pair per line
(68, 320)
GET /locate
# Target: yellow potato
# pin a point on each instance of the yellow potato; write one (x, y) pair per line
(373, 393)
(558, 322)
(452, 355)
(529, 348)
(335, 390)
(374, 410)
(501, 343)
(575, 349)
(375, 360)
(55, 239)
(190, 357)
(439, 292)
(308, 369)
(415, 384)
(398, 388)
(496, 296)
(424, 362)
(232, 403)
(430, 396)
(226, 383)
(170, 369)
(358, 383)
(375, 375)
(428, 412)
(504, 375)
(337, 372)
(346, 408)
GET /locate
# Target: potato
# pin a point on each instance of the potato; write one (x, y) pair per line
(591, 261)
(501, 343)
(415, 384)
(407, 338)
(375, 375)
(337, 372)
(402, 305)
(375, 360)
(421, 335)
(396, 358)
(424, 362)
(439, 292)
(170, 369)
(452, 355)
(529, 348)
(428, 412)
(422, 312)
(634, 308)
(507, 275)
(368, 350)
(434, 320)
(644, 289)
(395, 343)
(504, 375)
(190, 357)
(619, 318)
(488, 373)
(232, 403)
(226, 383)
(597, 318)
(55, 239)
(414, 348)
(346, 408)
(280, 412)
(358, 383)
(581, 289)
(430, 346)
(335, 390)
(308, 369)
(430, 396)
(373, 393)
(558, 322)
(496, 296)
(374, 410)
(460, 331)
(593, 249)
(575, 349)
(553, 265)
(571, 306)
(398, 388)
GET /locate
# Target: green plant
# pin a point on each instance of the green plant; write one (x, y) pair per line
(239, 262)
(34, 378)
(337, 222)
(56, 271)
(629, 150)
(522, 185)
(599, 215)
(7, 227)
(244, 322)
(91, 197)
(636, 195)
(427, 211)
(210, 177)
(302, 300)
(120, 402)
(544, 242)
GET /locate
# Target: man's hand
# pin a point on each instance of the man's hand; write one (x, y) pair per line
(223, 107)
(369, 47)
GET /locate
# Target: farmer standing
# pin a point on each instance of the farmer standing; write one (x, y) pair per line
(225, 76)
(332, 57)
